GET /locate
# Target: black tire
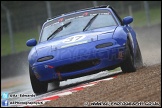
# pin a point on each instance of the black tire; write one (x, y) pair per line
(56, 84)
(128, 65)
(38, 87)
(139, 60)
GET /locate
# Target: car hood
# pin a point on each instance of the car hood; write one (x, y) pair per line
(46, 47)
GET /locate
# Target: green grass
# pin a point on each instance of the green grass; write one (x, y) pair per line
(20, 38)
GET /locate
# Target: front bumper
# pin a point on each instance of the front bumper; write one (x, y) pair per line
(82, 62)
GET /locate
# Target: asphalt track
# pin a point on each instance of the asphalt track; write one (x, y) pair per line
(66, 88)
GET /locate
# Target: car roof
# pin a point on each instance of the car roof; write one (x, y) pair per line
(96, 7)
(102, 6)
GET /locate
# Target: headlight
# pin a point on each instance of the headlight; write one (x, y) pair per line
(45, 58)
(104, 45)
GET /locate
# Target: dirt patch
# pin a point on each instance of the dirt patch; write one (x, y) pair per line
(144, 85)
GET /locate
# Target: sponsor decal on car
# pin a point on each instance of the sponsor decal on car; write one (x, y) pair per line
(73, 38)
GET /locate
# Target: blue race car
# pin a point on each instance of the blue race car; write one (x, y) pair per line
(81, 43)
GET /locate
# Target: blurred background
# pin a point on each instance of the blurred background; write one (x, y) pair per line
(22, 20)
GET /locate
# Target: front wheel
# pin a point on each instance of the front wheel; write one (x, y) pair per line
(128, 64)
(38, 86)
(56, 84)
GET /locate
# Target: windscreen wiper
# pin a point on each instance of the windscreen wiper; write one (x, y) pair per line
(58, 30)
(90, 22)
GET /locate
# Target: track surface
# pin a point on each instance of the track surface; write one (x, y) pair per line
(141, 86)
(65, 86)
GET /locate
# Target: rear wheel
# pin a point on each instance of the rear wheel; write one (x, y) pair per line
(128, 64)
(38, 86)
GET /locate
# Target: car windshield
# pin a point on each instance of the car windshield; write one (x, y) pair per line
(78, 23)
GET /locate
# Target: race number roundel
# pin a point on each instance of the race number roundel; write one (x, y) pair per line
(73, 39)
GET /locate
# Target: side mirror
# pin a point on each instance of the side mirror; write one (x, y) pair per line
(31, 42)
(127, 20)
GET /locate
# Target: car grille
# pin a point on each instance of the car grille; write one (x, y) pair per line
(77, 66)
